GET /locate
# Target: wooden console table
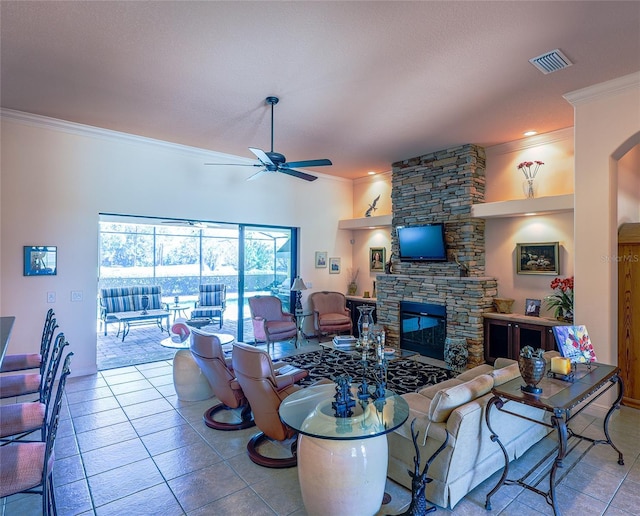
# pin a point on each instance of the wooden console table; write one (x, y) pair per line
(564, 400)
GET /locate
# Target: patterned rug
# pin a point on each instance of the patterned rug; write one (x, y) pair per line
(403, 375)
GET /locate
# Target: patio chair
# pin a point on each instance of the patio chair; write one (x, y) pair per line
(212, 301)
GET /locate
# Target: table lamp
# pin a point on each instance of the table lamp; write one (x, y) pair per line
(297, 287)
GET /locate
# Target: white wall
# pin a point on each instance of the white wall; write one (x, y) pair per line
(607, 126)
(57, 177)
(629, 187)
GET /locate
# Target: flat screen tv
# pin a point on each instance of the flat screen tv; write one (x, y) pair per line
(422, 243)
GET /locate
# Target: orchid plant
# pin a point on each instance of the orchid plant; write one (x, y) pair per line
(562, 298)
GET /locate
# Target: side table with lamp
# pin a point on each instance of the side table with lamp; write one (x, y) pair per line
(298, 286)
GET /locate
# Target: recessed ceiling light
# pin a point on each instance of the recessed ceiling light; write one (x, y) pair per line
(371, 173)
(531, 213)
(530, 133)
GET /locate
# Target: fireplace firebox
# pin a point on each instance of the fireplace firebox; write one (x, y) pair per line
(423, 328)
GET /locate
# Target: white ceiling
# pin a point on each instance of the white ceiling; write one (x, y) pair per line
(362, 83)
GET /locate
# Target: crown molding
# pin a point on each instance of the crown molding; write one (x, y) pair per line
(45, 122)
(561, 135)
(380, 176)
(603, 89)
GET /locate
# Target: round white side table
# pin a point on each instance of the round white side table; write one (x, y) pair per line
(188, 380)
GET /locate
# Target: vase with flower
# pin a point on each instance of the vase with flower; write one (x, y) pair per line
(561, 301)
(530, 171)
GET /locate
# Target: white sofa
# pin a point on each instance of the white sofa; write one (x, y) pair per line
(458, 405)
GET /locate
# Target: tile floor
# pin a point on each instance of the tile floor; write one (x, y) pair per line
(128, 446)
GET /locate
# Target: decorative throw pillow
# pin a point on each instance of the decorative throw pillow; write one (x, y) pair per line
(505, 374)
(447, 400)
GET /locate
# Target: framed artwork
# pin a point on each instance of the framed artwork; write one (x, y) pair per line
(574, 343)
(321, 259)
(541, 258)
(40, 260)
(532, 307)
(377, 258)
(334, 265)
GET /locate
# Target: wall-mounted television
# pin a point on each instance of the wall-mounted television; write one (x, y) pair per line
(422, 243)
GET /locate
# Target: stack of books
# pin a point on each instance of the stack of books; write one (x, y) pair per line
(342, 342)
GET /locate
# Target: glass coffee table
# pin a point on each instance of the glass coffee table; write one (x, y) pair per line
(342, 462)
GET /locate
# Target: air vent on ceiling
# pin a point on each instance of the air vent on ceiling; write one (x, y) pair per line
(551, 61)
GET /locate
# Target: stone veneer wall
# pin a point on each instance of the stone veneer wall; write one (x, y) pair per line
(441, 187)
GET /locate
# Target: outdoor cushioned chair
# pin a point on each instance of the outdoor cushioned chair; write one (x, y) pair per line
(330, 313)
(270, 323)
(212, 301)
(218, 370)
(265, 390)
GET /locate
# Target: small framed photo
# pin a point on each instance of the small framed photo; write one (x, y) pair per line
(321, 259)
(541, 258)
(532, 307)
(40, 260)
(334, 265)
(377, 258)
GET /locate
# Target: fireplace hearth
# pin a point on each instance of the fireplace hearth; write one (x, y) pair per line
(423, 328)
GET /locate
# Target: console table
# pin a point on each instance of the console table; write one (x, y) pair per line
(342, 462)
(564, 400)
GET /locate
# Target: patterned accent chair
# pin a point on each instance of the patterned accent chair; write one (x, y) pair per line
(330, 313)
(265, 389)
(270, 323)
(212, 301)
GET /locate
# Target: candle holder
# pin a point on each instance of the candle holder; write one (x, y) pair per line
(144, 300)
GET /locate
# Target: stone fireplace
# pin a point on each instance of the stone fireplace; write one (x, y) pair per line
(441, 187)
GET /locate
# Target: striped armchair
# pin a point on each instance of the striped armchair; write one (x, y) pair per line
(212, 301)
(127, 299)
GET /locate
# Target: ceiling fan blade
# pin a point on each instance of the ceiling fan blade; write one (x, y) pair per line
(309, 163)
(234, 164)
(297, 173)
(262, 156)
(257, 175)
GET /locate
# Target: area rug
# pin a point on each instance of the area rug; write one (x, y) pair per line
(403, 375)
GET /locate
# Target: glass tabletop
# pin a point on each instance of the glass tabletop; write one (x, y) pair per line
(309, 411)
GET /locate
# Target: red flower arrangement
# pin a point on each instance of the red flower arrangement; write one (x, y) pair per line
(525, 166)
(562, 300)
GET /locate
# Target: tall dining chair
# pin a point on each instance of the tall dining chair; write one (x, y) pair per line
(270, 323)
(27, 467)
(27, 383)
(265, 390)
(26, 361)
(18, 420)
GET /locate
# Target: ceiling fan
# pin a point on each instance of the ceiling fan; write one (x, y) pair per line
(275, 162)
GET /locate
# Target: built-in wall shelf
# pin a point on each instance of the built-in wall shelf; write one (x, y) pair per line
(523, 207)
(375, 222)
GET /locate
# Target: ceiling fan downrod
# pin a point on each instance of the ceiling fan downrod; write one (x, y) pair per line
(272, 101)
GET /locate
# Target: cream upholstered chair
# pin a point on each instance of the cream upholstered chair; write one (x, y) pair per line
(270, 323)
(265, 389)
(330, 313)
(212, 301)
(217, 368)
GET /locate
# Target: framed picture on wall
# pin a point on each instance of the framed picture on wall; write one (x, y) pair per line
(334, 265)
(40, 260)
(377, 258)
(321, 259)
(541, 258)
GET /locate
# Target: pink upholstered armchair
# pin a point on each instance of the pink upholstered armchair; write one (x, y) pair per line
(330, 313)
(270, 323)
